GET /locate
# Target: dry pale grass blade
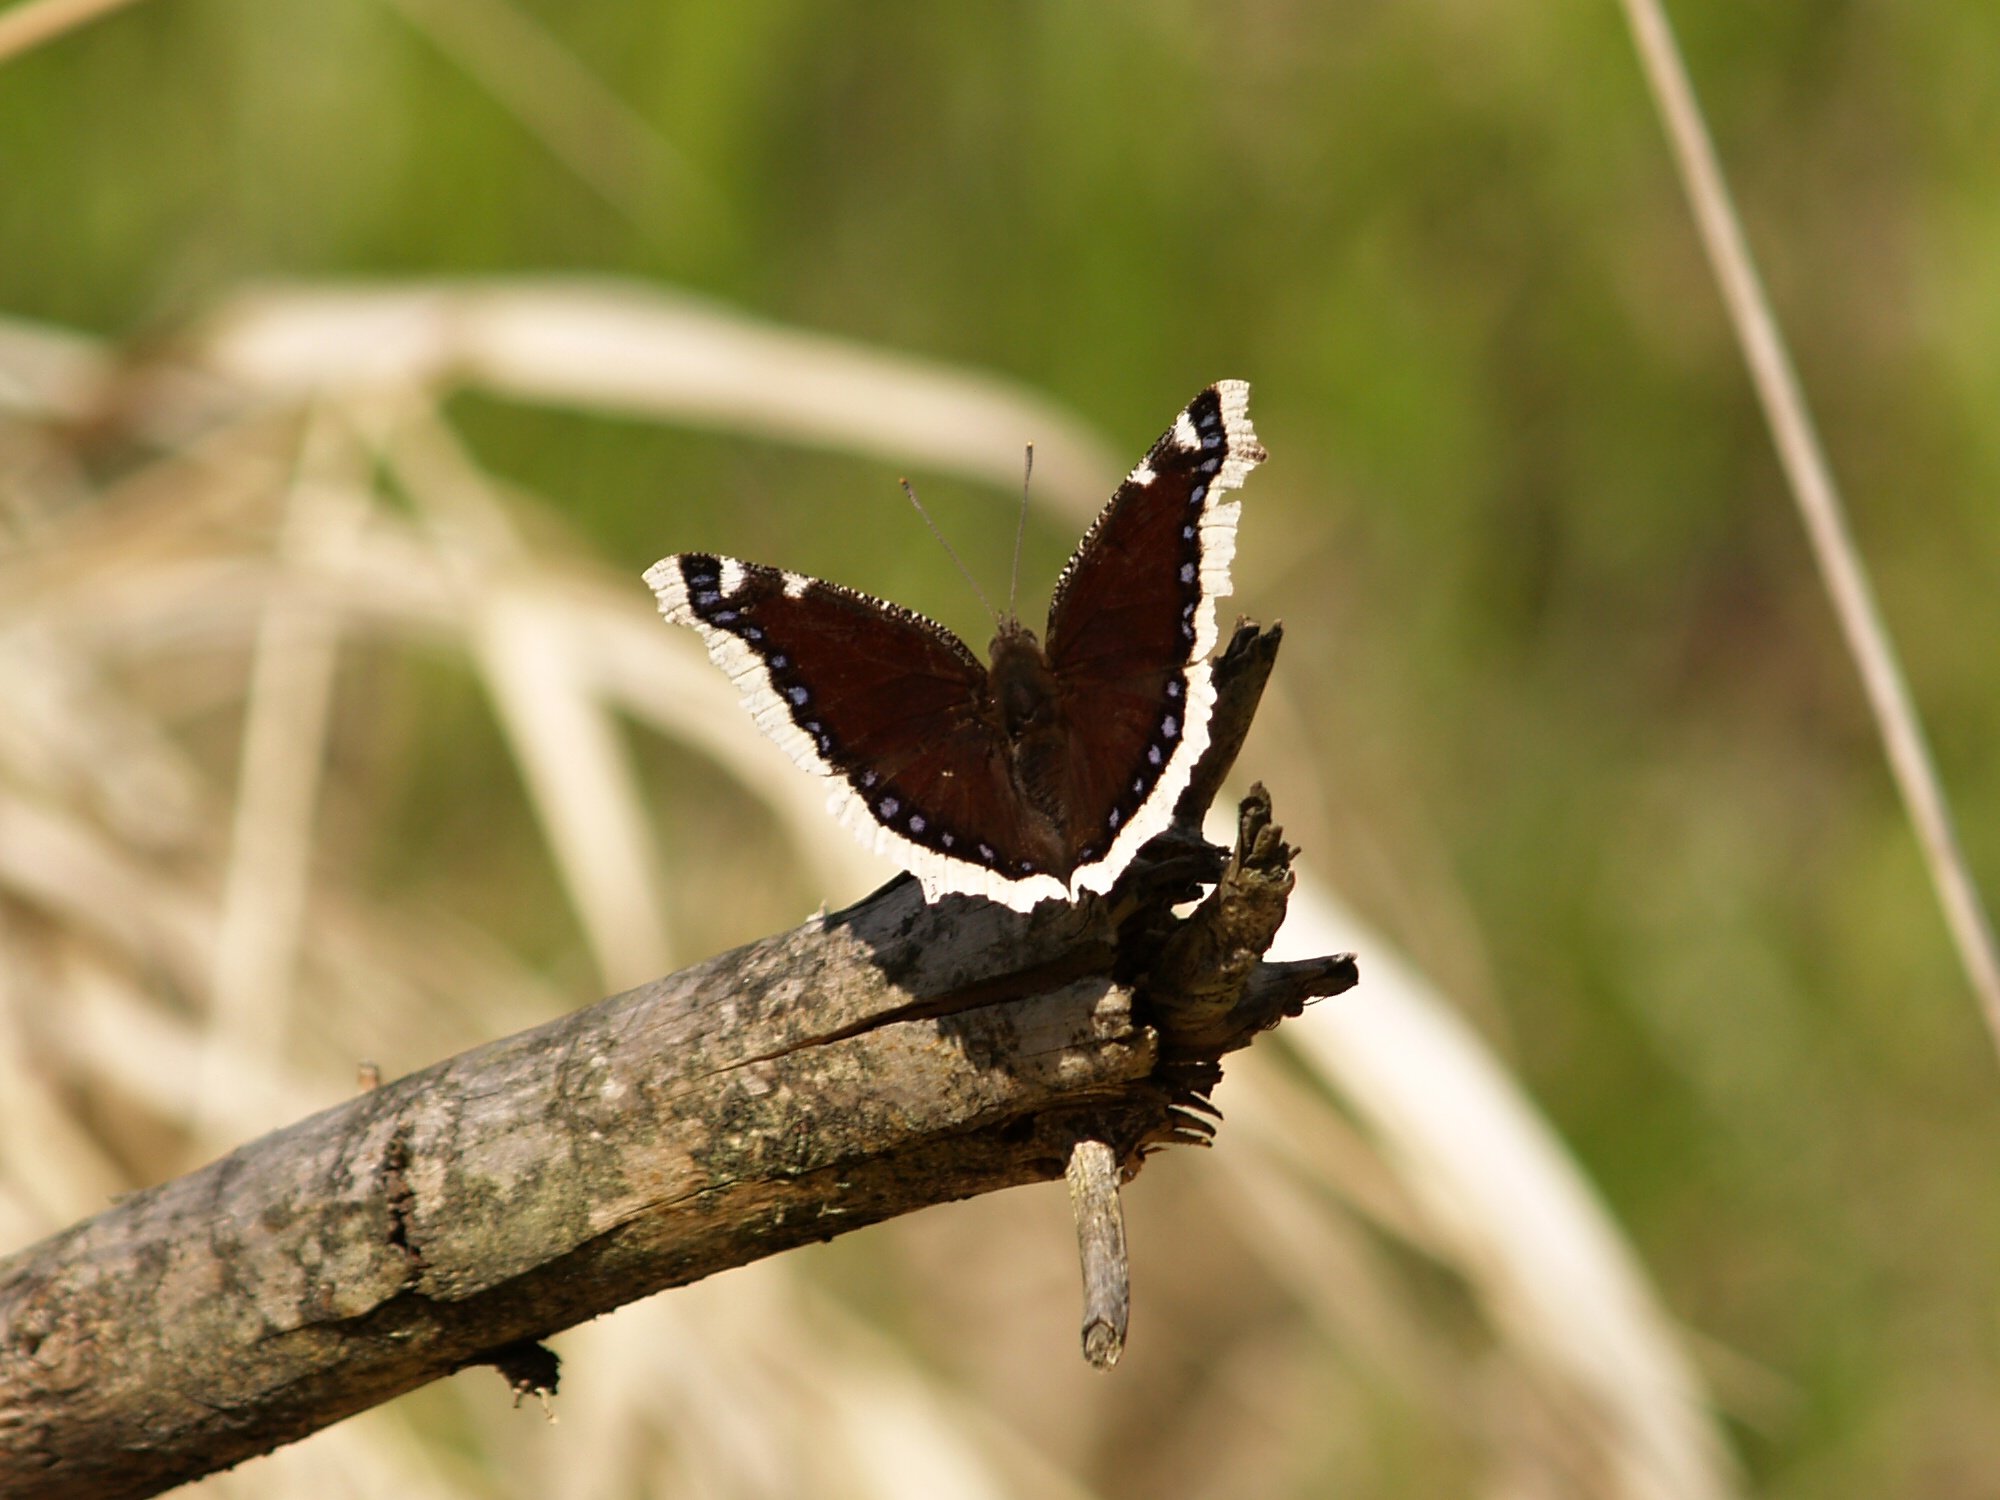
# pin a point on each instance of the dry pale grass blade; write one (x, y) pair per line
(753, 1384)
(1306, 1189)
(610, 146)
(404, 987)
(52, 1169)
(617, 651)
(580, 778)
(44, 372)
(395, 584)
(21, 1221)
(1286, 1119)
(1395, 860)
(872, 1419)
(1820, 505)
(47, 371)
(624, 347)
(376, 1454)
(885, 1418)
(657, 1403)
(141, 593)
(286, 708)
(144, 598)
(663, 678)
(77, 878)
(410, 989)
(28, 25)
(117, 1034)
(40, 477)
(71, 737)
(54, 373)
(581, 783)
(1511, 1212)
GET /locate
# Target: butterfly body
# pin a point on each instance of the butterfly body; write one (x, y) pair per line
(1037, 775)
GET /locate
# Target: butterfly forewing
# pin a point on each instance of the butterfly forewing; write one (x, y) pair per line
(889, 704)
(1133, 623)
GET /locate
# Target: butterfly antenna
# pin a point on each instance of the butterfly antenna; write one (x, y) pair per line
(1020, 530)
(950, 551)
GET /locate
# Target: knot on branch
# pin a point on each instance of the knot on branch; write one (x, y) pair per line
(1197, 984)
(1206, 987)
(529, 1368)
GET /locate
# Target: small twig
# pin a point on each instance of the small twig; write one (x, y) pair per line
(1240, 675)
(1197, 983)
(1819, 504)
(1100, 1242)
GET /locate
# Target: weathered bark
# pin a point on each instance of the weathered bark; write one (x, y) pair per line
(866, 1064)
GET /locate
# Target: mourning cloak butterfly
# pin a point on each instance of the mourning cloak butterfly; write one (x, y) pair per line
(1039, 776)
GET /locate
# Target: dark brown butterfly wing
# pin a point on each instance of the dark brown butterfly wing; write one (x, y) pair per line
(889, 705)
(1132, 626)
(1097, 741)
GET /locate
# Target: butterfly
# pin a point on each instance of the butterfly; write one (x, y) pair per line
(1038, 775)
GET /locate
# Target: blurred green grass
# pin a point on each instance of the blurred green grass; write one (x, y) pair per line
(1591, 749)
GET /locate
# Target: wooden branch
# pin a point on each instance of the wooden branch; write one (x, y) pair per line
(865, 1064)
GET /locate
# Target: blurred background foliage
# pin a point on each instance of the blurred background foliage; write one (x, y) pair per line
(1581, 736)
